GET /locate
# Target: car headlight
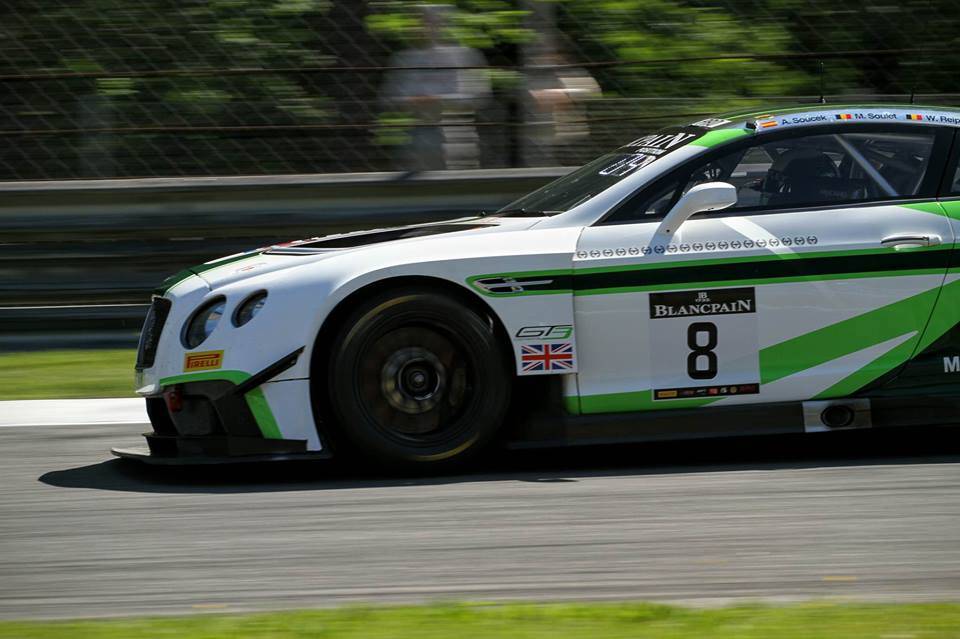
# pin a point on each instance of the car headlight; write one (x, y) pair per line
(249, 308)
(202, 322)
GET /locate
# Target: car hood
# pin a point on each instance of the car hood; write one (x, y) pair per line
(233, 268)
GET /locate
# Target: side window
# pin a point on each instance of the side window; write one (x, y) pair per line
(954, 188)
(953, 177)
(658, 202)
(814, 170)
(745, 169)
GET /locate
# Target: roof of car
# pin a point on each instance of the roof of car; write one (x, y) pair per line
(839, 108)
(725, 126)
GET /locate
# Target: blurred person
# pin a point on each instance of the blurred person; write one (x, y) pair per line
(555, 110)
(443, 100)
(555, 94)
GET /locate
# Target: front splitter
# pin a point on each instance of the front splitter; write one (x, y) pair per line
(142, 454)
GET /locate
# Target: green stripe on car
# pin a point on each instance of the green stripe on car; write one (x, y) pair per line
(719, 136)
(823, 345)
(696, 273)
(256, 401)
(848, 336)
(180, 276)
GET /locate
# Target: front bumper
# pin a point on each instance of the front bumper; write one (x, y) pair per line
(198, 419)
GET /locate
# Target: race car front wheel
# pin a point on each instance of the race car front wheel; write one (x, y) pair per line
(417, 379)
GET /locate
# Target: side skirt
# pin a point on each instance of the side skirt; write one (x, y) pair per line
(542, 430)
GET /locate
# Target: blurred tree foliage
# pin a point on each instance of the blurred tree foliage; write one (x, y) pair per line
(649, 31)
(127, 37)
(779, 40)
(213, 87)
(818, 26)
(193, 43)
(481, 24)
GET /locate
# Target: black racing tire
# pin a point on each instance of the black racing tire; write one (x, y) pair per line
(416, 380)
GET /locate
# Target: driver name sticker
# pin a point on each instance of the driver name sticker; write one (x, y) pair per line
(867, 114)
(703, 343)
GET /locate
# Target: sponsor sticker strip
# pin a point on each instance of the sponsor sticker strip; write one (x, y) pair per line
(706, 391)
(822, 116)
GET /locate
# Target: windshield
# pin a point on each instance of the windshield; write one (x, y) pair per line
(592, 179)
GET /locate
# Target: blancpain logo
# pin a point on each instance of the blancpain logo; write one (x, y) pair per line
(692, 303)
(739, 306)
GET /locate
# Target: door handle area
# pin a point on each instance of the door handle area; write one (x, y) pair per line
(897, 242)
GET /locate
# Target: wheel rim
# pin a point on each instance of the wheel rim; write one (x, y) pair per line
(414, 383)
(413, 380)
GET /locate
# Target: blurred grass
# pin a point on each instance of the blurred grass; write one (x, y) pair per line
(67, 374)
(531, 621)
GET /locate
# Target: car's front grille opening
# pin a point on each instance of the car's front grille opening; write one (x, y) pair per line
(150, 335)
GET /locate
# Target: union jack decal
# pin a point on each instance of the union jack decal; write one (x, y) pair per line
(546, 357)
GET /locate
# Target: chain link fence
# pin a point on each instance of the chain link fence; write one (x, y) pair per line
(145, 88)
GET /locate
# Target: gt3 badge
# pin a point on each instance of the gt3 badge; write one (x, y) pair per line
(558, 331)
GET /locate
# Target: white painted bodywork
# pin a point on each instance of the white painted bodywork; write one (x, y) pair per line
(615, 330)
(612, 332)
(303, 290)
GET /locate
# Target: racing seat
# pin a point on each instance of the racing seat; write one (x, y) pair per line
(805, 176)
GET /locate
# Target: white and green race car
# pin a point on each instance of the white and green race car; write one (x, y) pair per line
(756, 273)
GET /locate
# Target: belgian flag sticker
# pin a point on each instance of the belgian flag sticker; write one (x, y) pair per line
(914, 116)
(843, 116)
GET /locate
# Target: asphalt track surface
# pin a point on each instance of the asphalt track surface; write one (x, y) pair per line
(856, 515)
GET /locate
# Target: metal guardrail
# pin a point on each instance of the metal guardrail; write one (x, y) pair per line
(75, 255)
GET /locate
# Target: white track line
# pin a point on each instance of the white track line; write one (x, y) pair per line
(72, 412)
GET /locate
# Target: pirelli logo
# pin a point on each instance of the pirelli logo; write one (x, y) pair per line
(203, 361)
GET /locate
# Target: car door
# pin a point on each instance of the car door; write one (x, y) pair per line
(818, 281)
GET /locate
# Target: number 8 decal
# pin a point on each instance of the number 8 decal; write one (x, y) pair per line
(699, 351)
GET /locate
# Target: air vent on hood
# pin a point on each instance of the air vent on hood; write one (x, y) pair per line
(365, 238)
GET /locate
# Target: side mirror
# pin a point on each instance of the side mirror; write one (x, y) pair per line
(711, 196)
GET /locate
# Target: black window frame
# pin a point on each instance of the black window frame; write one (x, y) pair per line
(930, 187)
(949, 170)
